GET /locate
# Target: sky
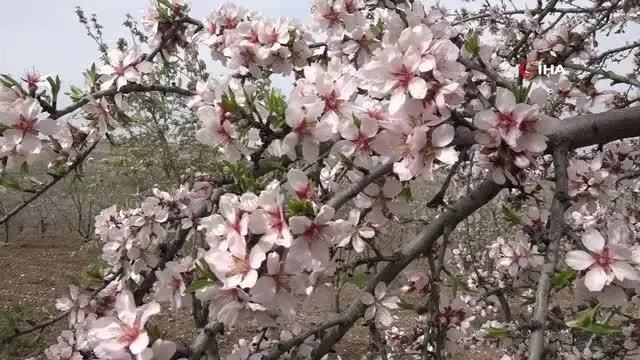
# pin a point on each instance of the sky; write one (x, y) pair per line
(46, 36)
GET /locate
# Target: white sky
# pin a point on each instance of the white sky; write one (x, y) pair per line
(45, 34)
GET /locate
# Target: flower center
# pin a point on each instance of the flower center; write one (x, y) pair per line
(27, 126)
(506, 121)
(528, 125)
(240, 265)
(213, 29)
(403, 77)
(276, 219)
(604, 259)
(119, 70)
(304, 128)
(362, 143)
(332, 16)
(231, 23)
(129, 334)
(331, 102)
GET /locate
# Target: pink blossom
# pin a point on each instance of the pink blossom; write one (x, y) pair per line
(535, 217)
(26, 123)
(379, 305)
(605, 262)
(306, 130)
(517, 124)
(126, 332)
(123, 68)
(358, 141)
(311, 246)
(396, 73)
(354, 232)
(303, 188)
(519, 255)
(219, 133)
(275, 288)
(237, 266)
(232, 223)
(75, 305)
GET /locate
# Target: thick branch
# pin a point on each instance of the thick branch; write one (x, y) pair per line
(423, 242)
(291, 343)
(583, 130)
(206, 342)
(558, 207)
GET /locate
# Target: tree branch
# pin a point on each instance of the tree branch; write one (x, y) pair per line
(423, 242)
(47, 323)
(129, 88)
(79, 160)
(607, 74)
(558, 207)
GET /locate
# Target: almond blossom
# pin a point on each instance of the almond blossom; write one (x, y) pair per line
(219, 133)
(379, 305)
(396, 73)
(358, 140)
(383, 199)
(269, 218)
(277, 287)
(519, 254)
(125, 334)
(123, 68)
(232, 223)
(604, 261)
(75, 305)
(310, 248)
(517, 124)
(354, 232)
(237, 266)
(303, 188)
(307, 130)
(26, 124)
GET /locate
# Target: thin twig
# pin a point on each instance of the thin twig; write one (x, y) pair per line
(79, 160)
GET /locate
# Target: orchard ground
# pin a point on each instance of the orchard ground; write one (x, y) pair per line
(37, 266)
(35, 271)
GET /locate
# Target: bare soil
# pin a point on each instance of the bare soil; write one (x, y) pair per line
(35, 269)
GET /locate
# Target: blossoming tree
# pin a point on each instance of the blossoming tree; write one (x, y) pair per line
(387, 94)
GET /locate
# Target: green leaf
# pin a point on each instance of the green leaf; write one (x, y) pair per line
(24, 168)
(360, 278)
(300, 208)
(406, 194)
(563, 278)
(155, 333)
(346, 161)
(9, 182)
(205, 270)
(95, 273)
(522, 93)
(55, 85)
(199, 284)
(61, 171)
(588, 322)
(8, 81)
(510, 216)
(472, 44)
(356, 121)
(499, 333)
